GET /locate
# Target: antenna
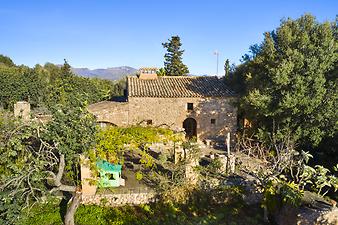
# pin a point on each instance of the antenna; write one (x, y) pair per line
(216, 52)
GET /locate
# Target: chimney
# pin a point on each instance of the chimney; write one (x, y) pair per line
(147, 73)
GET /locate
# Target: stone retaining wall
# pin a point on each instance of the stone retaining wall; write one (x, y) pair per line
(118, 199)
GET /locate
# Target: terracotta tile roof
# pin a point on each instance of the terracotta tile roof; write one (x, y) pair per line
(178, 86)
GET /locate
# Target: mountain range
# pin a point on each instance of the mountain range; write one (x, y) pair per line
(111, 73)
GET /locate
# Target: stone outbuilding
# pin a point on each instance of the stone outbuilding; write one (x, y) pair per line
(202, 106)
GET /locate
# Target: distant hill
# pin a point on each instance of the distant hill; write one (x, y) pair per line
(112, 73)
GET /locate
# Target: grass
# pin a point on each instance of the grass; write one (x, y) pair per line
(154, 214)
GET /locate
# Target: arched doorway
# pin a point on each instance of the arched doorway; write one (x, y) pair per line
(190, 127)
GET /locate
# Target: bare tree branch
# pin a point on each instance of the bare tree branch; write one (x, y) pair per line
(59, 175)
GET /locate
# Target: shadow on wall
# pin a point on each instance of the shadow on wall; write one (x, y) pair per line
(207, 86)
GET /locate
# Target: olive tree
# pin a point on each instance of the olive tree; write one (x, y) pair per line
(37, 160)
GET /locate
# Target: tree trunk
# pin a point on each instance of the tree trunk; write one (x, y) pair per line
(266, 214)
(69, 218)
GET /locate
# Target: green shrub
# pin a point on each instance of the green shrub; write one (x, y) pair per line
(151, 214)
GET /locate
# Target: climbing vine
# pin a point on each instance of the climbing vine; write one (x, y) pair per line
(112, 142)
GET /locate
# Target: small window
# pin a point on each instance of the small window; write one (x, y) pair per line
(190, 106)
(149, 122)
(213, 121)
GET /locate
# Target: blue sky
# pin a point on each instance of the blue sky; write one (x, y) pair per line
(100, 34)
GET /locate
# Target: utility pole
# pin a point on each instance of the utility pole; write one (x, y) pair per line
(217, 55)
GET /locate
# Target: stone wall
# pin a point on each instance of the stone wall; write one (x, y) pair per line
(22, 110)
(304, 215)
(115, 113)
(87, 177)
(119, 199)
(173, 111)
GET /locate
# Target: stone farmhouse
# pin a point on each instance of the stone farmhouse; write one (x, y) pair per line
(202, 106)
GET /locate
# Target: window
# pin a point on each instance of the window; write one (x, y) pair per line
(149, 122)
(213, 121)
(190, 106)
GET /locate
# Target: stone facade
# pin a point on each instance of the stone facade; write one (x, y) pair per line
(214, 116)
(173, 111)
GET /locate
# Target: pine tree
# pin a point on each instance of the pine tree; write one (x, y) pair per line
(173, 64)
(66, 69)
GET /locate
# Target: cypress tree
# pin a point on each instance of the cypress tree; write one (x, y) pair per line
(173, 64)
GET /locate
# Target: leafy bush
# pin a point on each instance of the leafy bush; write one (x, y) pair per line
(113, 141)
(278, 192)
(319, 179)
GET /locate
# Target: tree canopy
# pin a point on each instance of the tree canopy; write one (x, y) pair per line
(291, 80)
(38, 159)
(5, 60)
(173, 64)
(45, 86)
